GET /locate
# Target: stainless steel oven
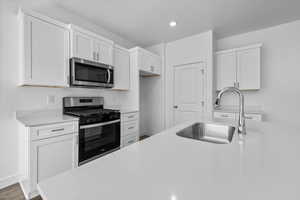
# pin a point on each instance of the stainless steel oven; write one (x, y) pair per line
(85, 73)
(98, 139)
(99, 128)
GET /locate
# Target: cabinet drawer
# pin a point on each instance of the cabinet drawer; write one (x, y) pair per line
(130, 139)
(53, 130)
(224, 115)
(130, 128)
(130, 116)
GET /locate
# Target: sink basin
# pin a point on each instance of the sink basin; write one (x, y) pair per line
(214, 133)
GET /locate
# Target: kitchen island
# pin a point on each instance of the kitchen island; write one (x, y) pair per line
(263, 166)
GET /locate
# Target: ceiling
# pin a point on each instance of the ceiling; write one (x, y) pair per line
(145, 22)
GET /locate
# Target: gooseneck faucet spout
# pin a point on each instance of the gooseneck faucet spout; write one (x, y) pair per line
(241, 122)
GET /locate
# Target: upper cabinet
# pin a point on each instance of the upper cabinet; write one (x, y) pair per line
(90, 46)
(45, 51)
(121, 68)
(149, 63)
(239, 68)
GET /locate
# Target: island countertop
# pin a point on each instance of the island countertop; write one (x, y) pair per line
(264, 166)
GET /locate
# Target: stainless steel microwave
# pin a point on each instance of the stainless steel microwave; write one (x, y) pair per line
(85, 73)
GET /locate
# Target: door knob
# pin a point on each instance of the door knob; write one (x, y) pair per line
(175, 107)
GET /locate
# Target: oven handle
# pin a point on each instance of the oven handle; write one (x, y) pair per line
(108, 72)
(99, 124)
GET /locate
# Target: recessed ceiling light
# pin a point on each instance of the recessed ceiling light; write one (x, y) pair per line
(172, 24)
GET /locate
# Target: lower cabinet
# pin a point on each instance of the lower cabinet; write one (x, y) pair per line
(129, 128)
(47, 157)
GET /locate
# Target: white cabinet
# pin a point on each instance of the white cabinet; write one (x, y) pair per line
(52, 156)
(121, 68)
(45, 51)
(248, 70)
(226, 70)
(129, 128)
(239, 68)
(90, 46)
(149, 63)
(82, 46)
(47, 151)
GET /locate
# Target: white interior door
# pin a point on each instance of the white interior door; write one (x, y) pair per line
(189, 92)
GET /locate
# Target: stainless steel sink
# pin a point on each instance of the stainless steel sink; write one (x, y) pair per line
(207, 132)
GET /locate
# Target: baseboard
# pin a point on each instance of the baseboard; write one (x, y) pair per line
(10, 180)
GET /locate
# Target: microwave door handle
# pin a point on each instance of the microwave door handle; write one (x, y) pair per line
(108, 72)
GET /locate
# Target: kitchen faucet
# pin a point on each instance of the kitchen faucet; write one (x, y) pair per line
(241, 123)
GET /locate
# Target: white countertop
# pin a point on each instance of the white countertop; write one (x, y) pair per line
(266, 166)
(43, 117)
(122, 109)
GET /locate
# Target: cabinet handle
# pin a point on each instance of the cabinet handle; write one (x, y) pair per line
(130, 141)
(237, 84)
(98, 56)
(131, 127)
(131, 116)
(56, 130)
(152, 68)
(247, 117)
(175, 107)
(224, 115)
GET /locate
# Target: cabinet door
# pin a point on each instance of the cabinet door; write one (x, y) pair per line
(121, 69)
(248, 70)
(149, 63)
(104, 52)
(46, 53)
(156, 65)
(144, 61)
(50, 157)
(225, 69)
(83, 46)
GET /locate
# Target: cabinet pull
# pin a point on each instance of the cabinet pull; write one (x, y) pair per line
(224, 115)
(56, 130)
(98, 56)
(247, 117)
(131, 127)
(152, 68)
(131, 116)
(130, 141)
(237, 84)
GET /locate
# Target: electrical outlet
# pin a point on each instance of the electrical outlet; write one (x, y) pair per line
(50, 99)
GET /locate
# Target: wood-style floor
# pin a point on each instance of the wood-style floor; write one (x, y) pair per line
(14, 192)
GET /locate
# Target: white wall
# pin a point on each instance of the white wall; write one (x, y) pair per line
(152, 95)
(197, 48)
(14, 98)
(279, 96)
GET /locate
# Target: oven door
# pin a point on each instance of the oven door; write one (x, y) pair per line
(85, 73)
(96, 140)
